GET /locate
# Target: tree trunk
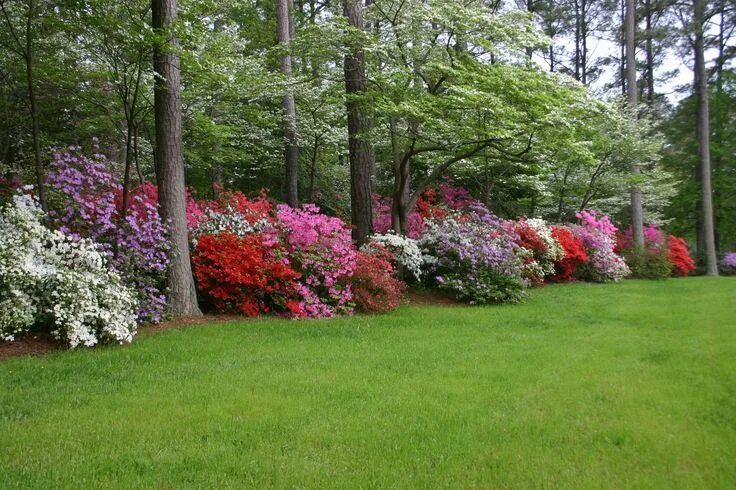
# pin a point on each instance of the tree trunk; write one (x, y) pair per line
(38, 165)
(359, 148)
(703, 134)
(169, 159)
(650, 53)
(291, 150)
(637, 215)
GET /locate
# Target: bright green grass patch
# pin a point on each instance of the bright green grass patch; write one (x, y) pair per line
(630, 384)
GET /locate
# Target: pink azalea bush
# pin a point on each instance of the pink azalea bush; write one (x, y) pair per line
(321, 249)
(598, 234)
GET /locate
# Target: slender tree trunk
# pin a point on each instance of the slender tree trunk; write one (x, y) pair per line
(360, 150)
(703, 133)
(169, 159)
(649, 53)
(637, 215)
(38, 164)
(291, 150)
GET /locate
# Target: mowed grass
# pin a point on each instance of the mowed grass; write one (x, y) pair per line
(621, 385)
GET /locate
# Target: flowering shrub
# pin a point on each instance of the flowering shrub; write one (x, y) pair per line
(475, 257)
(541, 250)
(320, 248)
(234, 213)
(404, 251)
(682, 263)
(245, 273)
(598, 235)
(729, 262)
(574, 254)
(135, 245)
(375, 290)
(58, 282)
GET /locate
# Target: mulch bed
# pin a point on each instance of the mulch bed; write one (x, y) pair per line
(38, 344)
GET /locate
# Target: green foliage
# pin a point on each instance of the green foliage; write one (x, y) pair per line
(651, 263)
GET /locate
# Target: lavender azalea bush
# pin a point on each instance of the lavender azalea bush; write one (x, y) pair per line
(474, 256)
(729, 263)
(89, 199)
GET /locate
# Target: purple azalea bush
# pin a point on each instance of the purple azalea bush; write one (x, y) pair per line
(88, 198)
(599, 237)
(475, 256)
(729, 262)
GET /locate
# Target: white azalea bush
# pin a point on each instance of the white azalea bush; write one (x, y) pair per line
(405, 250)
(54, 281)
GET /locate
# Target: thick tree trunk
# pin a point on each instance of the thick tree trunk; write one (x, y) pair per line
(360, 150)
(703, 133)
(637, 215)
(169, 159)
(291, 150)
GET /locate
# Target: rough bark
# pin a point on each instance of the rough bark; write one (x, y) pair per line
(637, 215)
(291, 150)
(169, 159)
(359, 148)
(703, 134)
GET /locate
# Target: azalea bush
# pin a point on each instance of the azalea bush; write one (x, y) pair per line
(58, 283)
(320, 248)
(249, 274)
(598, 234)
(87, 202)
(540, 249)
(475, 257)
(404, 252)
(729, 263)
(574, 254)
(375, 289)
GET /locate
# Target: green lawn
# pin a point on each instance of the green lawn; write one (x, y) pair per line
(630, 384)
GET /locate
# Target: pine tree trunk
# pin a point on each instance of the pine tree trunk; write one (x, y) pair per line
(637, 218)
(38, 165)
(360, 150)
(169, 160)
(703, 134)
(291, 150)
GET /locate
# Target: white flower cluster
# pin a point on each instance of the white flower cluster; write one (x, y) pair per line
(406, 251)
(48, 276)
(231, 221)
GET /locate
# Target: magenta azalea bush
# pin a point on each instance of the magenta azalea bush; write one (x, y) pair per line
(321, 249)
(88, 202)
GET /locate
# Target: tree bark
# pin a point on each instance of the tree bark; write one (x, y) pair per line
(703, 134)
(38, 164)
(291, 150)
(169, 159)
(359, 124)
(637, 215)
(649, 53)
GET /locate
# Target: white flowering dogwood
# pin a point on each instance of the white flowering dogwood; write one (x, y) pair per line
(63, 283)
(405, 250)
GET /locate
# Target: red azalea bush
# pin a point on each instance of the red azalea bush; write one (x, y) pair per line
(574, 254)
(375, 290)
(244, 273)
(682, 263)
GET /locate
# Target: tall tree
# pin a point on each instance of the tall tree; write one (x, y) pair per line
(637, 214)
(289, 108)
(703, 134)
(23, 45)
(359, 124)
(169, 159)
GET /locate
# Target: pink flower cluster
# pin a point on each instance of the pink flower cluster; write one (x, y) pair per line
(320, 247)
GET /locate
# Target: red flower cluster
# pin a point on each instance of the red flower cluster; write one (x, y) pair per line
(375, 290)
(530, 239)
(426, 207)
(682, 263)
(574, 254)
(244, 273)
